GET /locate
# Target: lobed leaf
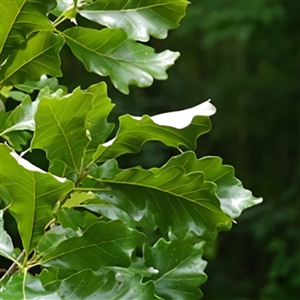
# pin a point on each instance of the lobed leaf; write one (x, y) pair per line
(139, 19)
(105, 244)
(179, 268)
(185, 205)
(109, 52)
(32, 195)
(173, 129)
(39, 57)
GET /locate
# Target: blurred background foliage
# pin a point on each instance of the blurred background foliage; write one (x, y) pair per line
(244, 55)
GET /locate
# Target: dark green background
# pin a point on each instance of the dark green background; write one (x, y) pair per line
(244, 55)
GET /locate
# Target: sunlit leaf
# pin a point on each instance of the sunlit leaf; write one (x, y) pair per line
(34, 194)
(18, 19)
(39, 57)
(139, 19)
(110, 52)
(173, 129)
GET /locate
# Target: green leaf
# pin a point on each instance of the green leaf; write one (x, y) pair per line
(29, 287)
(87, 284)
(173, 129)
(110, 52)
(18, 19)
(30, 86)
(113, 242)
(39, 57)
(78, 198)
(34, 194)
(139, 19)
(63, 138)
(6, 245)
(230, 191)
(182, 204)
(180, 269)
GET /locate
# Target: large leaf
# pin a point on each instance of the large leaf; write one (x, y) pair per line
(105, 244)
(24, 286)
(182, 204)
(173, 129)
(139, 19)
(110, 52)
(18, 19)
(180, 269)
(233, 197)
(34, 194)
(40, 56)
(60, 127)
(87, 284)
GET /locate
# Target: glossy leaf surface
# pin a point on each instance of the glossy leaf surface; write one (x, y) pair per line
(139, 19)
(110, 52)
(105, 244)
(33, 194)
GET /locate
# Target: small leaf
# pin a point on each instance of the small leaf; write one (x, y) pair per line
(6, 245)
(230, 191)
(113, 242)
(180, 269)
(18, 19)
(173, 129)
(139, 19)
(40, 56)
(62, 137)
(29, 287)
(110, 52)
(34, 194)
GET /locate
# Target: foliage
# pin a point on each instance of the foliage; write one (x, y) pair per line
(95, 230)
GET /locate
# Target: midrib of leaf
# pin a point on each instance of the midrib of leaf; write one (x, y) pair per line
(12, 23)
(30, 60)
(133, 62)
(65, 137)
(156, 188)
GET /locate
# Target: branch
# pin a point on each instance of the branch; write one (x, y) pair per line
(13, 268)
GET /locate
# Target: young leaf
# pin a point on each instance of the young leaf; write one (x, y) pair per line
(24, 286)
(18, 19)
(39, 57)
(230, 191)
(180, 269)
(34, 194)
(110, 52)
(173, 129)
(62, 137)
(139, 19)
(108, 244)
(183, 204)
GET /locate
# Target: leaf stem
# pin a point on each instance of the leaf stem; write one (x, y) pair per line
(17, 263)
(59, 20)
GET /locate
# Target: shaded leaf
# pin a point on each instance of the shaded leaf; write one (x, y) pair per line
(110, 52)
(230, 191)
(173, 129)
(139, 19)
(106, 243)
(180, 269)
(182, 204)
(29, 288)
(18, 19)
(34, 194)
(62, 137)
(39, 57)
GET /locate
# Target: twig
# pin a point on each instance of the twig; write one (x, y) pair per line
(13, 268)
